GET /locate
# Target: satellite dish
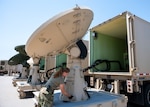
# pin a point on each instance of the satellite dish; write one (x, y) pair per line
(18, 59)
(21, 49)
(57, 33)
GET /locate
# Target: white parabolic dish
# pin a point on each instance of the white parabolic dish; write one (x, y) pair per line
(56, 34)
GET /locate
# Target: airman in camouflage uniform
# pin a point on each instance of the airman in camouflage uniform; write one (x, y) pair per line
(55, 81)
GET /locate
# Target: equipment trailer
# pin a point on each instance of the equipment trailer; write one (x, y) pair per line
(119, 57)
(97, 99)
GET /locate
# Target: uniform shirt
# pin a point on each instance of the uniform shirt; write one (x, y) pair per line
(54, 83)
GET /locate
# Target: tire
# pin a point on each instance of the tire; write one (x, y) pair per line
(22, 94)
(35, 105)
(14, 84)
(147, 96)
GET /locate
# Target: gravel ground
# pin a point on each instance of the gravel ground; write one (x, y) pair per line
(9, 96)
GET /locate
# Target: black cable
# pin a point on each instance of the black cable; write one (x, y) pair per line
(100, 61)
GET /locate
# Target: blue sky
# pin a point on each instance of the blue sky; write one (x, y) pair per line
(20, 18)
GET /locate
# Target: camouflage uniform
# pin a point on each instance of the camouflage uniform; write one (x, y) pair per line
(45, 100)
(46, 97)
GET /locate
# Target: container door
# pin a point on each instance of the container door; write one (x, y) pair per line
(139, 48)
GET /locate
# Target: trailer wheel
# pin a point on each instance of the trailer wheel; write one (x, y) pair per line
(35, 105)
(22, 94)
(14, 84)
(147, 96)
